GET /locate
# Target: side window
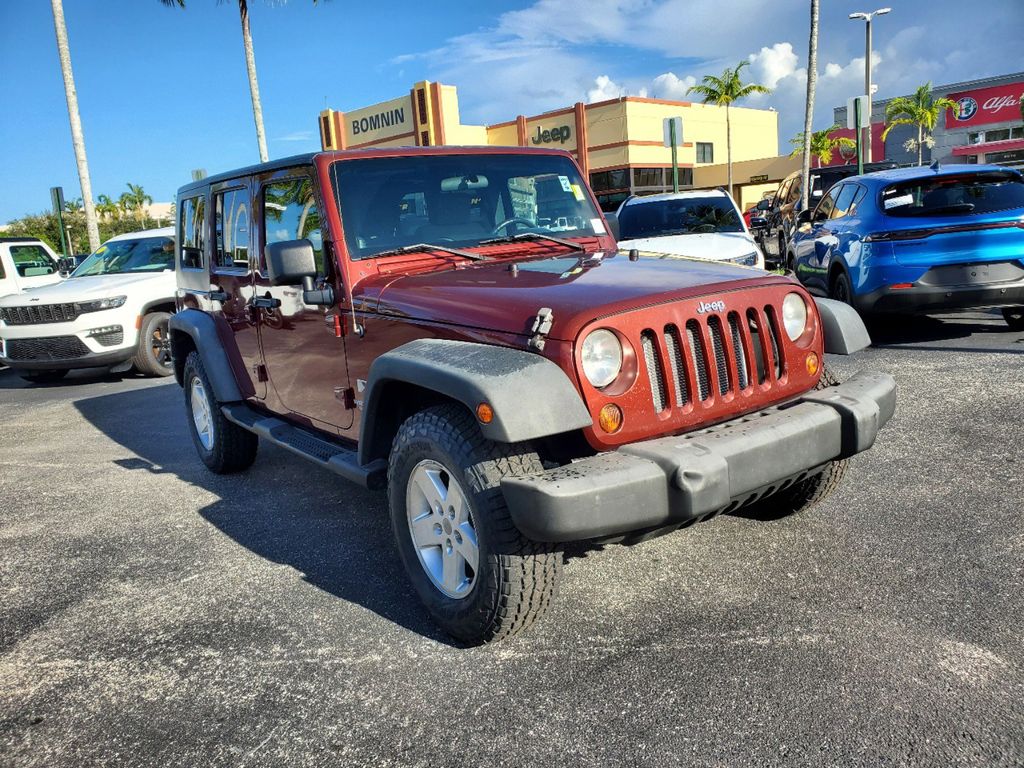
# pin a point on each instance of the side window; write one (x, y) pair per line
(32, 261)
(231, 221)
(824, 209)
(861, 191)
(191, 231)
(290, 213)
(3, 274)
(844, 201)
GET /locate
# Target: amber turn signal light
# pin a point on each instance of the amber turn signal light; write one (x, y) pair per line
(812, 363)
(485, 413)
(610, 418)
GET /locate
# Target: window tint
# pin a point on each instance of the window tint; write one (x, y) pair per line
(678, 216)
(232, 229)
(967, 194)
(844, 201)
(856, 200)
(705, 152)
(192, 231)
(115, 257)
(648, 177)
(32, 261)
(290, 213)
(824, 209)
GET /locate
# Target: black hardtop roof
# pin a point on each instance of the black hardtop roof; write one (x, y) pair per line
(20, 240)
(342, 154)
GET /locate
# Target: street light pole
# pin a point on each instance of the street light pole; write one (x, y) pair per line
(866, 136)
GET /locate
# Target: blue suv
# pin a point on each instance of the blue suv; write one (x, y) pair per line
(918, 240)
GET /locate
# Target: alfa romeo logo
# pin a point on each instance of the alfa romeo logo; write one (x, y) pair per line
(968, 108)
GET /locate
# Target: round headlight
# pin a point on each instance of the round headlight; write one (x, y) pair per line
(794, 315)
(601, 356)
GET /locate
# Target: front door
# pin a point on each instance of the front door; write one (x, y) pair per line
(303, 349)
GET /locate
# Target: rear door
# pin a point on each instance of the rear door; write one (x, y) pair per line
(302, 345)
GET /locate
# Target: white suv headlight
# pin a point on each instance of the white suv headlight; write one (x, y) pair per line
(99, 304)
(748, 260)
(601, 356)
(794, 315)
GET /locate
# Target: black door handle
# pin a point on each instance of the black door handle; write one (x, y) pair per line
(264, 302)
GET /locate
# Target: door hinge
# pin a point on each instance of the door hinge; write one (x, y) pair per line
(541, 328)
(347, 395)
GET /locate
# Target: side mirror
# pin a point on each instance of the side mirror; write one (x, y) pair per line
(763, 205)
(805, 217)
(66, 265)
(758, 222)
(613, 224)
(292, 262)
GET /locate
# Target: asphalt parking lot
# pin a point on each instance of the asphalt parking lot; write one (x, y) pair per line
(152, 613)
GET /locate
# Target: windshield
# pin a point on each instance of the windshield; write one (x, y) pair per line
(146, 254)
(969, 194)
(459, 200)
(678, 216)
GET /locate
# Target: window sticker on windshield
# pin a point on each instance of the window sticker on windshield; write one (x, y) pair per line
(577, 192)
(598, 226)
(101, 249)
(566, 186)
(901, 200)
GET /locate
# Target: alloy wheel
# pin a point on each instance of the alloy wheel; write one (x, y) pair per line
(201, 416)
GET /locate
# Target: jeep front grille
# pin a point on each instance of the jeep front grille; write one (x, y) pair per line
(750, 348)
(40, 313)
(46, 348)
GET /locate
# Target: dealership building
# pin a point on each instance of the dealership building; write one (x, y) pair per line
(989, 127)
(619, 143)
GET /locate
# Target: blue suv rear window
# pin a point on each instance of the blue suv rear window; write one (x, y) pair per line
(966, 194)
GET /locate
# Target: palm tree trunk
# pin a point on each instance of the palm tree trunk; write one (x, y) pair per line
(254, 86)
(920, 158)
(812, 82)
(77, 138)
(728, 145)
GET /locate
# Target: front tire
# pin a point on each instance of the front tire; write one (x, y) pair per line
(223, 446)
(153, 356)
(807, 492)
(479, 578)
(1014, 317)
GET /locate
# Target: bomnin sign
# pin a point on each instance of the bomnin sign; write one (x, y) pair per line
(998, 104)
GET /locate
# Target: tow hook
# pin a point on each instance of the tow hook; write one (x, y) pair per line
(541, 328)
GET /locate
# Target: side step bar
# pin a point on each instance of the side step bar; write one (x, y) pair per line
(327, 454)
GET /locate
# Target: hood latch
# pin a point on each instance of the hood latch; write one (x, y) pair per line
(541, 328)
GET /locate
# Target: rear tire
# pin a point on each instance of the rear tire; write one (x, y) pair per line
(43, 377)
(153, 356)
(840, 288)
(223, 446)
(479, 578)
(807, 492)
(1014, 317)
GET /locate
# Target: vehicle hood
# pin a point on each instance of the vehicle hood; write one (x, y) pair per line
(93, 287)
(713, 246)
(578, 288)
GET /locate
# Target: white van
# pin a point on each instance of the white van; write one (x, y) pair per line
(111, 312)
(26, 262)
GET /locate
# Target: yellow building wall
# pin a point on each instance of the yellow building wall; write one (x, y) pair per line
(454, 131)
(606, 124)
(502, 135)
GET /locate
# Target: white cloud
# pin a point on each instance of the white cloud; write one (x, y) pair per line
(770, 65)
(604, 88)
(672, 87)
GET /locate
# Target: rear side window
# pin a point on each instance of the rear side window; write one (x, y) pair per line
(191, 229)
(231, 217)
(290, 213)
(32, 261)
(967, 194)
(844, 201)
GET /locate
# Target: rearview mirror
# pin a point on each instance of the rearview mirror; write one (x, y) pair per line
(613, 224)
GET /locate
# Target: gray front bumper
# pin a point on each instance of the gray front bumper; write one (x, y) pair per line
(671, 480)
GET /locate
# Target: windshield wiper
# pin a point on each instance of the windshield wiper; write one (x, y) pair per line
(421, 247)
(534, 236)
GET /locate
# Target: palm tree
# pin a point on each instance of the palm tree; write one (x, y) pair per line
(73, 206)
(822, 145)
(250, 65)
(106, 207)
(920, 110)
(724, 91)
(77, 137)
(136, 200)
(812, 83)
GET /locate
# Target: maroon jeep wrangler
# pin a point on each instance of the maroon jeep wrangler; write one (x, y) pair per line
(458, 326)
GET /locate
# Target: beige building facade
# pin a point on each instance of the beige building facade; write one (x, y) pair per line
(619, 143)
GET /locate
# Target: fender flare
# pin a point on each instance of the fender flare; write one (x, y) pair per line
(842, 327)
(531, 396)
(202, 330)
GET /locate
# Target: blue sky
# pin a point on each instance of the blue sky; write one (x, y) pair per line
(163, 91)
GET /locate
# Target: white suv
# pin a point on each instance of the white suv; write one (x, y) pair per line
(700, 224)
(112, 312)
(26, 262)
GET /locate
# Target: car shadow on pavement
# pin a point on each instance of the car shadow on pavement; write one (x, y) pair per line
(336, 534)
(897, 330)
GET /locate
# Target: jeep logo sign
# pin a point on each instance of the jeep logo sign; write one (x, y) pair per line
(710, 306)
(559, 134)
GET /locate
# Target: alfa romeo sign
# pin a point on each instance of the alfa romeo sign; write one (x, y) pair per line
(998, 104)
